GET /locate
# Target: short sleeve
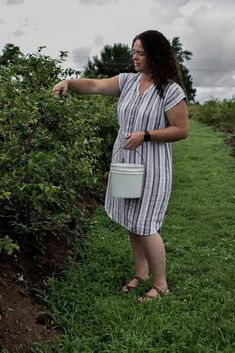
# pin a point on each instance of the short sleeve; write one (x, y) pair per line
(174, 94)
(123, 78)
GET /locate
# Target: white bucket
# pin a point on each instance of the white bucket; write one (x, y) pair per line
(126, 179)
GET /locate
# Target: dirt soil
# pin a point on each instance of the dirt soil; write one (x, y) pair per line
(21, 320)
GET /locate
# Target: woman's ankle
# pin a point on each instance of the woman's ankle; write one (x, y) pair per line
(142, 275)
(162, 285)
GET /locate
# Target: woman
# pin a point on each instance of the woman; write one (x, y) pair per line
(152, 113)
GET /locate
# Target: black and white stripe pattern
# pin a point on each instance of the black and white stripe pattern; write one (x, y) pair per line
(136, 112)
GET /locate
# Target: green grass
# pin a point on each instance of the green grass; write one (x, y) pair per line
(198, 315)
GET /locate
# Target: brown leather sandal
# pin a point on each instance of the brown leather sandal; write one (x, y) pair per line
(148, 297)
(127, 287)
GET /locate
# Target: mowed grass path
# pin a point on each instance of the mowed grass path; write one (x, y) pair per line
(198, 316)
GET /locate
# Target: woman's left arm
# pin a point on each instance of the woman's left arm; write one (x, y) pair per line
(177, 129)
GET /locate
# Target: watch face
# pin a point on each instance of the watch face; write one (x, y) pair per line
(146, 136)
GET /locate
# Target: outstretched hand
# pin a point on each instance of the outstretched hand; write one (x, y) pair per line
(61, 88)
(134, 140)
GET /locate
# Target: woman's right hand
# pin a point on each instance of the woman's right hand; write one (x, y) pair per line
(61, 88)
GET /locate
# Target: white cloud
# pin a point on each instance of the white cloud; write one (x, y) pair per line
(166, 12)
(18, 33)
(208, 93)
(80, 56)
(209, 33)
(98, 40)
(12, 2)
(96, 2)
(205, 27)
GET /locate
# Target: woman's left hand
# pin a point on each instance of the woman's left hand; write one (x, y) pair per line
(134, 140)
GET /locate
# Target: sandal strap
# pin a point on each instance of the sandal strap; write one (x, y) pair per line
(137, 278)
(159, 291)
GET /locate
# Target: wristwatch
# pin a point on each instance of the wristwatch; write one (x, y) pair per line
(146, 136)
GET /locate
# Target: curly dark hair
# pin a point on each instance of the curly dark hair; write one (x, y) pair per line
(160, 58)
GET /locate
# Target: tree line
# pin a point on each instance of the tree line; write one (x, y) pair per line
(117, 58)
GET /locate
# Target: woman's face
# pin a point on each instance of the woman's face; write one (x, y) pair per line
(139, 57)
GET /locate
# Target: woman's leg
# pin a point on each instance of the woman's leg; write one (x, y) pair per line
(141, 264)
(154, 250)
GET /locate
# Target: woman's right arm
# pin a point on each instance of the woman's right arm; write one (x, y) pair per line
(106, 86)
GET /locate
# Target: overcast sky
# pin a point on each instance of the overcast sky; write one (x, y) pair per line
(83, 27)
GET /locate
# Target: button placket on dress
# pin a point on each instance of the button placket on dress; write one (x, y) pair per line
(133, 113)
(133, 116)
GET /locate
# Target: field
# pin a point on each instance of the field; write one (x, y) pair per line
(198, 315)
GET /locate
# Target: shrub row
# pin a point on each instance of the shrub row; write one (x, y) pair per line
(52, 151)
(220, 114)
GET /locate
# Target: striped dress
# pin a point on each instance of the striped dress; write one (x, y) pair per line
(138, 112)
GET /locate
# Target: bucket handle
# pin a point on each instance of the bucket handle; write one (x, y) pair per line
(123, 157)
